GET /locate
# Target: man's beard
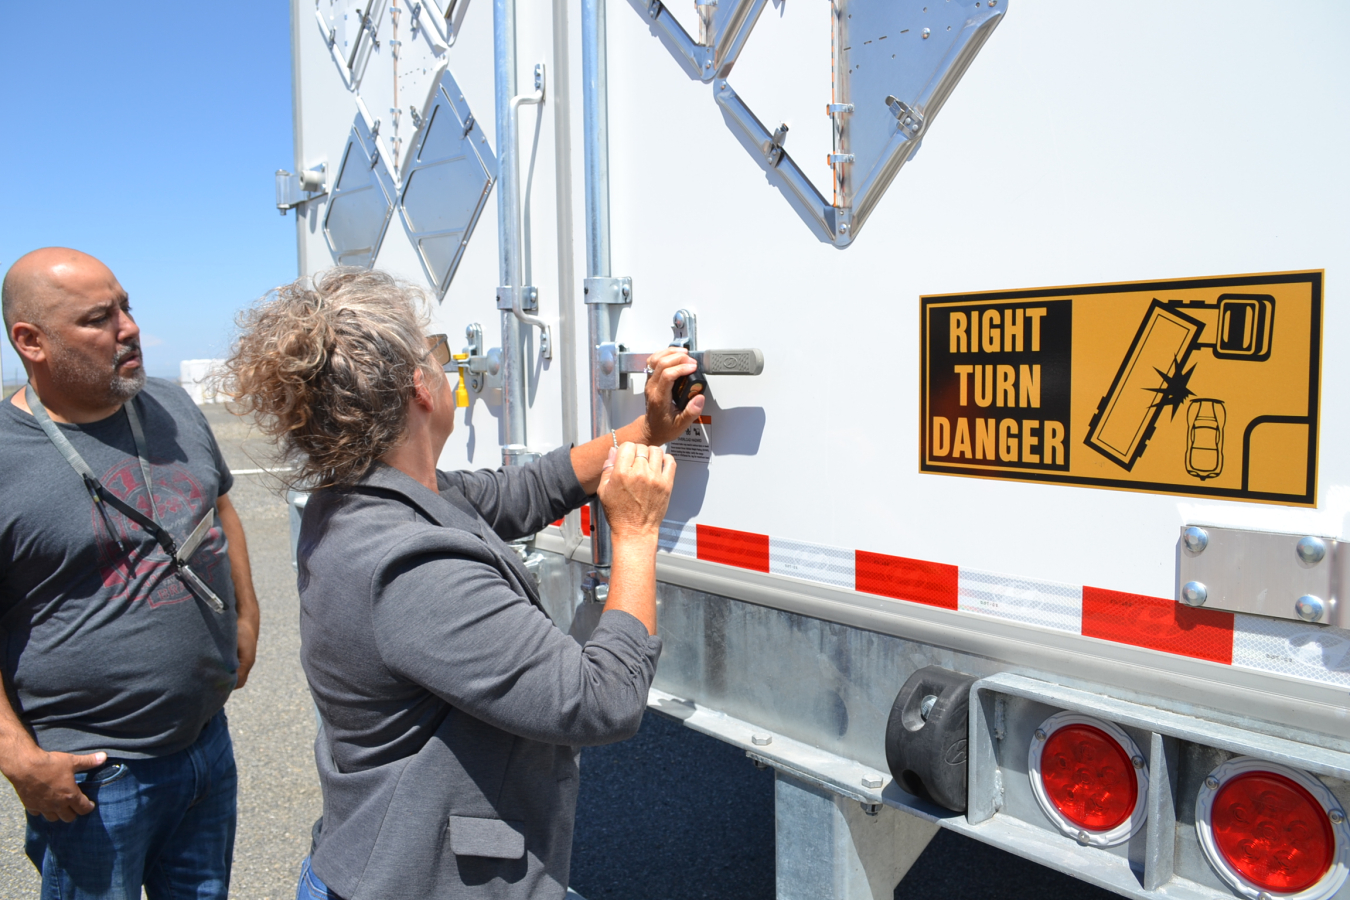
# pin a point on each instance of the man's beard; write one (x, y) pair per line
(75, 373)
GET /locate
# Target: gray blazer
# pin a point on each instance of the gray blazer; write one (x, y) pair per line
(452, 706)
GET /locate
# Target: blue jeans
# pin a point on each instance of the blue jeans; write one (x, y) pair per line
(165, 823)
(311, 887)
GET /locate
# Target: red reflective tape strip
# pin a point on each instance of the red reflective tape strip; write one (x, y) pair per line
(558, 524)
(1158, 624)
(733, 548)
(915, 580)
(586, 520)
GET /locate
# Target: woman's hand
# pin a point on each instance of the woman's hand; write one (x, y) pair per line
(635, 488)
(662, 423)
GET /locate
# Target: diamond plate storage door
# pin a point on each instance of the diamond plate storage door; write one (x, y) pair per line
(361, 203)
(446, 184)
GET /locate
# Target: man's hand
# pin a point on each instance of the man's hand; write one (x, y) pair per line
(247, 615)
(662, 423)
(45, 782)
(248, 644)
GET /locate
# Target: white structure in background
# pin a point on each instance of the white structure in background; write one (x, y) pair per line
(196, 376)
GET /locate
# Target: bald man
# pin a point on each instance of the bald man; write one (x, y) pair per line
(127, 612)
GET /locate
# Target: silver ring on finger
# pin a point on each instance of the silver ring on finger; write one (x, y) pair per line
(648, 371)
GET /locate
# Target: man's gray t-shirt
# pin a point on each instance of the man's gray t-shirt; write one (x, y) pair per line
(101, 648)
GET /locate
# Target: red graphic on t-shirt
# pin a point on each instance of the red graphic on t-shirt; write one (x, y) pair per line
(142, 569)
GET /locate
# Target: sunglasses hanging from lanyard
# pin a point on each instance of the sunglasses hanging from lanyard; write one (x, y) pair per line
(179, 554)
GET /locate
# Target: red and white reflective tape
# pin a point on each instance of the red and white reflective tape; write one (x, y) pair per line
(1295, 649)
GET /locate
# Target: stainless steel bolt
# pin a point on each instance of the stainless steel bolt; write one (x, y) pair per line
(926, 707)
(1193, 593)
(1264, 896)
(873, 781)
(871, 809)
(1040, 734)
(1083, 838)
(1195, 539)
(761, 740)
(1337, 817)
(1309, 608)
(925, 34)
(1311, 550)
(1137, 761)
(1211, 782)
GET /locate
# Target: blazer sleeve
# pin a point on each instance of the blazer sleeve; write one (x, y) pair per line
(517, 501)
(453, 625)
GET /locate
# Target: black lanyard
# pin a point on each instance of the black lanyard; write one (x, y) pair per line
(101, 495)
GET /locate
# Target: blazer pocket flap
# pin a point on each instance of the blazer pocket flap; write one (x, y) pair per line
(494, 838)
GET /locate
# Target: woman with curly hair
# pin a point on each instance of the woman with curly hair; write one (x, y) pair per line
(452, 706)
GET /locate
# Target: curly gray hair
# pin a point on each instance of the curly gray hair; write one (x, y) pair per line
(326, 367)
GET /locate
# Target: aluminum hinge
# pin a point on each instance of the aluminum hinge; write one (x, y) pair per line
(907, 119)
(1302, 577)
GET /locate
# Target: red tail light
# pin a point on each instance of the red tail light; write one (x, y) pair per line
(1090, 778)
(1266, 827)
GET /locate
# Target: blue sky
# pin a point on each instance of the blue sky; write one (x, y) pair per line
(147, 134)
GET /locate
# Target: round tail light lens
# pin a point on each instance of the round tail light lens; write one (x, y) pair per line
(1267, 827)
(1089, 777)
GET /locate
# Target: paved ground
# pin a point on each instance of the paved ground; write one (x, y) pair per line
(670, 815)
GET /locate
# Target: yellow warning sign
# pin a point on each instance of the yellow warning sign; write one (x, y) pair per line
(1202, 386)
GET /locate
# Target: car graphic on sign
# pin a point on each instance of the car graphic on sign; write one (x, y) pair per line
(1204, 437)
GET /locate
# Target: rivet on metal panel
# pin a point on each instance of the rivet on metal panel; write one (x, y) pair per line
(1083, 838)
(1264, 896)
(1311, 550)
(1195, 539)
(1309, 608)
(654, 9)
(761, 740)
(1040, 734)
(1337, 817)
(1137, 762)
(1212, 783)
(873, 781)
(926, 32)
(1193, 593)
